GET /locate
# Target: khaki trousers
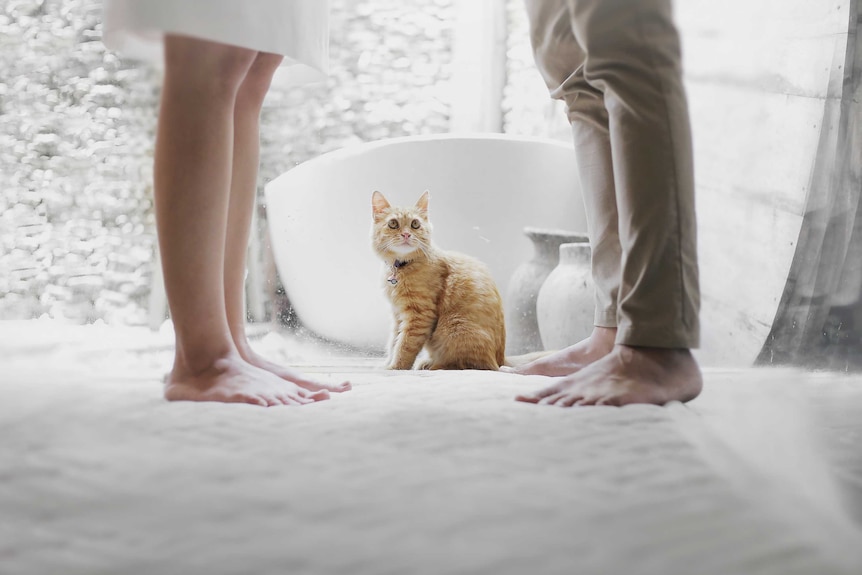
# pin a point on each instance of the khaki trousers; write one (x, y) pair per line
(616, 65)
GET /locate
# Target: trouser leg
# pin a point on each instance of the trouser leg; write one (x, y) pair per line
(561, 62)
(628, 58)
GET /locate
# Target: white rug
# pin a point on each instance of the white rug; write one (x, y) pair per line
(413, 472)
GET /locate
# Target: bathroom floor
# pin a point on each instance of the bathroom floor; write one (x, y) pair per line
(413, 472)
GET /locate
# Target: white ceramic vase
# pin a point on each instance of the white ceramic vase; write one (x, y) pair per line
(565, 307)
(522, 328)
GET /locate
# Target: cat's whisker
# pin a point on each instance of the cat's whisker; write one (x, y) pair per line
(390, 244)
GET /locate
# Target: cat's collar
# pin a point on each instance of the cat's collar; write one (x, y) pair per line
(396, 265)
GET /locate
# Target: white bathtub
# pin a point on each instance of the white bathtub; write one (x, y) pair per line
(484, 190)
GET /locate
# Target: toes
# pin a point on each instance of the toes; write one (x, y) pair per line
(570, 400)
(293, 399)
(321, 386)
(272, 400)
(340, 387)
(537, 396)
(615, 401)
(553, 399)
(278, 398)
(517, 368)
(252, 399)
(526, 369)
(312, 396)
(590, 400)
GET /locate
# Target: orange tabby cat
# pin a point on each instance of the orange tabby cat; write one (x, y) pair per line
(443, 301)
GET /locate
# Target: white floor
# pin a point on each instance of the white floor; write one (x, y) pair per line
(413, 472)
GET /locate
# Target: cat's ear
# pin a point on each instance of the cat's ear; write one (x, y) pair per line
(378, 205)
(422, 204)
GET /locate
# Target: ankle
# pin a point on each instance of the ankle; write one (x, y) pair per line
(190, 361)
(602, 339)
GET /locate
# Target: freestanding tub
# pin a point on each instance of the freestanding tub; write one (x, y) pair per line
(484, 190)
(776, 108)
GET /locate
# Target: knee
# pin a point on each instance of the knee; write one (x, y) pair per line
(256, 83)
(629, 38)
(206, 67)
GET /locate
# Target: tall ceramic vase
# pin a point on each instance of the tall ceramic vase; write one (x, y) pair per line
(522, 328)
(565, 307)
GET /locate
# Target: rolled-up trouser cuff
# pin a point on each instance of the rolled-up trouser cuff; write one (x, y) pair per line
(605, 318)
(664, 335)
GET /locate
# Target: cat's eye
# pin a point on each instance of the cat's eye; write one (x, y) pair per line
(393, 224)
(414, 224)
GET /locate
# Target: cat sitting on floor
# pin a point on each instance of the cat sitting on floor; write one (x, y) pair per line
(443, 301)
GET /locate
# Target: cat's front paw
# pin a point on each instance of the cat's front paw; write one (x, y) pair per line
(398, 365)
(425, 364)
(394, 364)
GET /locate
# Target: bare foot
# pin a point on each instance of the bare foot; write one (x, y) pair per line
(232, 380)
(289, 374)
(627, 375)
(573, 358)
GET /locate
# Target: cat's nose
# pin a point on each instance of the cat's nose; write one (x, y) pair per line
(405, 235)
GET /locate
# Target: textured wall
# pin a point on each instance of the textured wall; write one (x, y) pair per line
(77, 128)
(527, 108)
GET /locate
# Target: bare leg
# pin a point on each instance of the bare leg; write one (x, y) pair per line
(627, 375)
(246, 158)
(573, 358)
(192, 183)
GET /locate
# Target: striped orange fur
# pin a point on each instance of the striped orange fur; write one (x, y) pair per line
(446, 302)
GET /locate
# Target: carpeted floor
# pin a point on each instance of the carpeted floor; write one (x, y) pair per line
(413, 472)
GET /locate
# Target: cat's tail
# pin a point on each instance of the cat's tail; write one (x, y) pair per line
(524, 359)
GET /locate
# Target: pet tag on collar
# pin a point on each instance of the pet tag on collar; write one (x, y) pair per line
(392, 279)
